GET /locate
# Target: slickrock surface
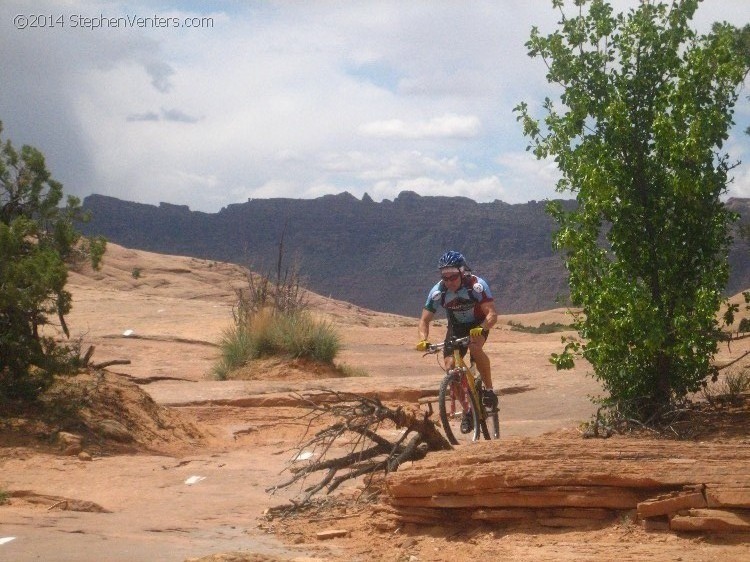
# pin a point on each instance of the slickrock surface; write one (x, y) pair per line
(570, 481)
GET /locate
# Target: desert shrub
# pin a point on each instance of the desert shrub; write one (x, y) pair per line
(351, 372)
(300, 335)
(271, 318)
(736, 383)
(543, 328)
(236, 350)
(295, 335)
(744, 325)
(38, 242)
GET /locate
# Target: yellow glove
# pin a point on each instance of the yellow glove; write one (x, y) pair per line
(423, 345)
(475, 331)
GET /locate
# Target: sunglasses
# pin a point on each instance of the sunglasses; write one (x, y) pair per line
(451, 277)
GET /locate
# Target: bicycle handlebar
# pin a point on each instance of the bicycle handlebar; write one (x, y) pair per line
(434, 348)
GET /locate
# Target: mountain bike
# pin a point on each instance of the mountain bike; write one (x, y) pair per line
(460, 398)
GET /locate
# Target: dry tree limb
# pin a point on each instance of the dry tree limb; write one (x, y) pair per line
(87, 357)
(356, 442)
(729, 364)
(110, 363)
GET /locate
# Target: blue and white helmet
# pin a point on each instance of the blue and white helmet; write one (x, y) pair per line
(453, 259)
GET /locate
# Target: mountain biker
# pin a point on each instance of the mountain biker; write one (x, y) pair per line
(470, 309)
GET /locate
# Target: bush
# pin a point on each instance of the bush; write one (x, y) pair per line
(38, 242)
(295, 335)
(271, 318)
(543, 328)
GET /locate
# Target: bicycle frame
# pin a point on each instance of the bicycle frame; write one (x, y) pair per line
(466, 379)
(460, 387)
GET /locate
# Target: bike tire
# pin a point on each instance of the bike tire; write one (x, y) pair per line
(484, 414)
(451, 411)
(495, 425)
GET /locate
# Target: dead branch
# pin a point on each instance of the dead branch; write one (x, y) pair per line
(110, 363)
(355, 442)
(733, 362)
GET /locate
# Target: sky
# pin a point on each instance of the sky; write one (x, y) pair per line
(289, 98)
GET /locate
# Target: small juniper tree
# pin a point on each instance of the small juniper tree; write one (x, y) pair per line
(645, 109)
(38, 241)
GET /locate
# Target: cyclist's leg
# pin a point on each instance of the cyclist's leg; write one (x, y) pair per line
(482, 361)
(448, 350)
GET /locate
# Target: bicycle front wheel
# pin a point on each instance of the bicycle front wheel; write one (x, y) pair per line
(454, 406)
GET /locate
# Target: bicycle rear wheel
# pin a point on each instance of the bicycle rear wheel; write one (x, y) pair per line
(452, 411)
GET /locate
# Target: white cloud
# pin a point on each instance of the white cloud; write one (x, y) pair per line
(287, 99)
(446, 126)
(528, 178)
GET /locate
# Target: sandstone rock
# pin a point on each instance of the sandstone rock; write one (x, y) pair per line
(517, 479)
(114, 430)
(72, 450)
(711, 520)
(67, 439)
(718, 495)
(84, 456)
(70, 443)
(331, 534)
(670, 503)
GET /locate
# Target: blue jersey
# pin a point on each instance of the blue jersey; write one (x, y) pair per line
(464, 304)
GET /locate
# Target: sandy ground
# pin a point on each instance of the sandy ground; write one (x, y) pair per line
(192, 498)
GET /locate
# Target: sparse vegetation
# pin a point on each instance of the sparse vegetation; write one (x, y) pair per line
(352, 372)
(38, 242)
(136, 273)
(730, 388)
(270, 318)
(737, 383)
(267, 333)
(543, 328)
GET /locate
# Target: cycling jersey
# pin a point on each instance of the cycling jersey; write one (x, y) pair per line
(463, 305)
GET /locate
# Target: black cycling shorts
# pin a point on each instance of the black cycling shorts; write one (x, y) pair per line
(458, 330)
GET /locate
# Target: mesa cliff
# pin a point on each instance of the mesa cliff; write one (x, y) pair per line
(378, 255)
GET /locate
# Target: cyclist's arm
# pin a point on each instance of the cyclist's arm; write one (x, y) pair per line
(424, 324)
(490, 314)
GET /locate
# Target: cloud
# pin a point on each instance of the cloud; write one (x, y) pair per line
(393, 165)
(287, 99)
(178, 116)
(159, 72)
(529, 179)
(148, 116)
(445, 127)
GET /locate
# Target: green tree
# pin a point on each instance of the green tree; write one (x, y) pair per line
(645, 108)
(38, 240)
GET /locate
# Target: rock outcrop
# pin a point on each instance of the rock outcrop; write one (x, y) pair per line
(572, 482)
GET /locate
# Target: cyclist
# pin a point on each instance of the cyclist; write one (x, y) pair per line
(470, 309)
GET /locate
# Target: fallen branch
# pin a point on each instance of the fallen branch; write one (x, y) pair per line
(724, 366)
(110, 363)
(353, 444)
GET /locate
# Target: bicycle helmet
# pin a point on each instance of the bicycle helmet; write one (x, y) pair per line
(452, 259)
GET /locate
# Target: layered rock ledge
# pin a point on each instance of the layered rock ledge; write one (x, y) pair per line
(572, 482)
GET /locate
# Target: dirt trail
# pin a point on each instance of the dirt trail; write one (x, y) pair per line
(166, 322)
